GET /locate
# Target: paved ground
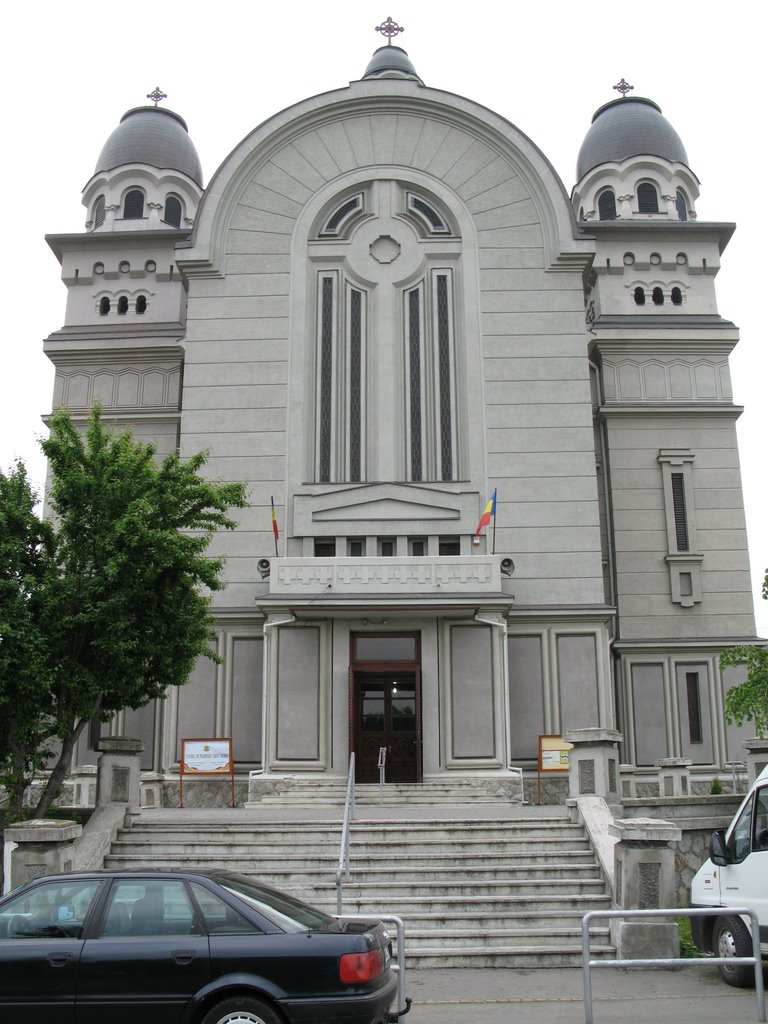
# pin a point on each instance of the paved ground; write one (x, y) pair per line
(556, 996)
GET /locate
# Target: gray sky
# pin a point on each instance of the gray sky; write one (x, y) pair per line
(70, 71)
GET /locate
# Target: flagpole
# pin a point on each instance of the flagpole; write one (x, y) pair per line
(493, 552)
(274, 524)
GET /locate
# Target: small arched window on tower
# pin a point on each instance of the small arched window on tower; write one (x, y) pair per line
(658, 297)
(647, 198)
(133, 207)
(99, 212)
(681, 205)
(141, 304)
(122, 305)
(677, 297)
(104, 305)
(639, 296)
(606, 205)
(173, 211)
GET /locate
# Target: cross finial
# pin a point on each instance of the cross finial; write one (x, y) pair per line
(623, 87)
(389, 28)
(157, 95)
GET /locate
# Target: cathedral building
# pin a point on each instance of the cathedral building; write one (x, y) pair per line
(384, 313)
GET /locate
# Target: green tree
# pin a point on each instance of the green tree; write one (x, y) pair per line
(26, 566)
(124, 613)
(748, 701)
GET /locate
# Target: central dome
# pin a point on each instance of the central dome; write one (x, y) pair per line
(627, 127)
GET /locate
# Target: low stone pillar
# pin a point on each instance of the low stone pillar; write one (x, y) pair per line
(594, 763)
(674, 776)
(757, 757)
(628, 784)
(644, 879)
(119, 778)
(151, 789)
(85, 780)
(39, 847)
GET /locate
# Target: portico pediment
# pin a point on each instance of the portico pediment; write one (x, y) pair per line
(375, 508)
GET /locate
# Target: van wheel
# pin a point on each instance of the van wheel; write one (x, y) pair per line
(731, 937)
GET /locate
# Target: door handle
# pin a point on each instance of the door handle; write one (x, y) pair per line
(59, 959)
(183, 956)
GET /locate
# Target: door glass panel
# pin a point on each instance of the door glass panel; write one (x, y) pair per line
(404, 710)
(372, 712)
(56, 910)
(385, 648)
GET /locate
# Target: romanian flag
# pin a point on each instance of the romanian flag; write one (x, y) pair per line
(488, 511)
(274, 522)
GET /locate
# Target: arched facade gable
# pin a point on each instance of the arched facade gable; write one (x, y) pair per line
(430, 131)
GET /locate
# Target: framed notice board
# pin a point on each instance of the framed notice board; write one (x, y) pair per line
(206, 756)
(553, 756)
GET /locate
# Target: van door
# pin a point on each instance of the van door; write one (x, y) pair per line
(745, 880)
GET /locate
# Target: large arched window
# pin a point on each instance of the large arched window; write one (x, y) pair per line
(606, 205)
(647, 198)
(385, 366)
(133, 206)
(173, 211)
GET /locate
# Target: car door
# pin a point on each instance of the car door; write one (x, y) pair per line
(41, 942)
(148, 958)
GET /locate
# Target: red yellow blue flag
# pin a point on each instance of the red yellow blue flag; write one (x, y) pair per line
(488, 511)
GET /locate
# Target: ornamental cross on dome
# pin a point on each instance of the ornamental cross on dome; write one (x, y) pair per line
(389, 28)
(623, 87)
(157, 94)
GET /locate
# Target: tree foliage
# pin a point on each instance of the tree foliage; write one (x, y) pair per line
(121, 609)
(748, 701)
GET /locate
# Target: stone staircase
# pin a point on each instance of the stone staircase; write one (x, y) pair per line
(473, 889)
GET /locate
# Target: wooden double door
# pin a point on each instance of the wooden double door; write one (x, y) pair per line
(387, 716)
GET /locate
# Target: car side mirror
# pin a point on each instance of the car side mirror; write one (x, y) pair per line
(718, 851)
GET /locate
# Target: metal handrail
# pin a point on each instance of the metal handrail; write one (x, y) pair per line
(382, 766)
(342, 870)
(755, 960)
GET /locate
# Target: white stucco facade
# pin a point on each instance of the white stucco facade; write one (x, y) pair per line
(382, 309)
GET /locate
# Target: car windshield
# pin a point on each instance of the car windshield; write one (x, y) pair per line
(287, 913)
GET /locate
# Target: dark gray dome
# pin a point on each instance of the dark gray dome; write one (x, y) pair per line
(154, 136)
(630, 126)
(391, 59)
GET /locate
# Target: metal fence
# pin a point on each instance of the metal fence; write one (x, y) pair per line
(755, 960)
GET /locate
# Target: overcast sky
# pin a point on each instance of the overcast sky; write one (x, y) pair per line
(69, 72)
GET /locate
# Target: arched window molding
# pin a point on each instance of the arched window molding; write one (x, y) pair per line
(133, 205)
(173, 211)
(647, 198)
(99, 212)
(338, 223)
(606, 205)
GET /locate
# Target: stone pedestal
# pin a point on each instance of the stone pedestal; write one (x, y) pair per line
(628, 784)
(674, 776)
(594, 764)
(757, 757)
(40, 847)
(119, 771)
(644, 865)
(151, 789)
(85, 780)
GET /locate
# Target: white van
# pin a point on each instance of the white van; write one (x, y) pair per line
(736, 875)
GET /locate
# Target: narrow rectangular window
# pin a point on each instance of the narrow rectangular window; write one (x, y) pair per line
(355, 383)
(414, 370)
(444, 377)
(678, 504)
(326, 379)
(693, 697)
